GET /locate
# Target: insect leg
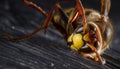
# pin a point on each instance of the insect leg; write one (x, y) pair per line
(82, 13)
(26, 2)
(97, 56)
(35, 31)
(79, 11)
(105, 8)
(44, 26)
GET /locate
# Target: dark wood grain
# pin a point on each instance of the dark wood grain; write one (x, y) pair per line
(48, 51)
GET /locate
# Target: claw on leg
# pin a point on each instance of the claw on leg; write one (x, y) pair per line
(94, 56)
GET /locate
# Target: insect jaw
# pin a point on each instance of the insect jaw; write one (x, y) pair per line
(76, 40)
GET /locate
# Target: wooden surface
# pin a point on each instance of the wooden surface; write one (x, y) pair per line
(47, 51)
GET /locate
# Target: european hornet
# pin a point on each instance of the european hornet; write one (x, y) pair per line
(86, 31)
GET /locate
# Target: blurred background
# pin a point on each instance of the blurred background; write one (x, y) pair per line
(48, 51)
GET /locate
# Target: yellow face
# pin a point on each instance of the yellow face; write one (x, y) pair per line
(77, 40)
